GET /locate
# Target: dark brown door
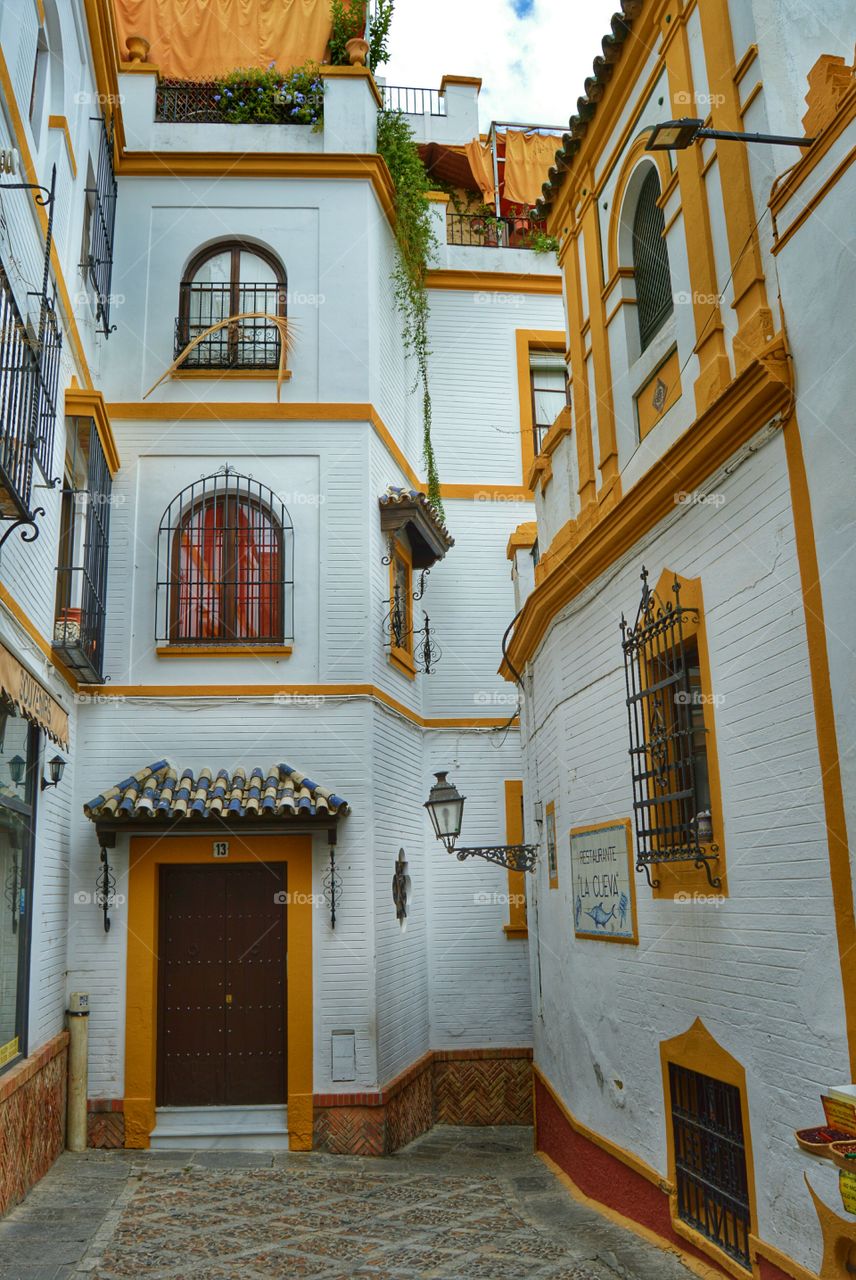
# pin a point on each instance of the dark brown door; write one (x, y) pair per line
(221, 978)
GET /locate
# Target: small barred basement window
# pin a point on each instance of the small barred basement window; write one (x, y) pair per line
(710, 1160)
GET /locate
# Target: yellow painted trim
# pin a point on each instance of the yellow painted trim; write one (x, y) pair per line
(517, 926)
(524, 536)
(437, 197)
(401, 656)
(668, 371)
(270, 690)
(817, 199)
(60, 122)
(760, 1249)
(147, 855)
(793, 178)
(628, 1158)
(494, 282)
(750, 98)
(697, 1050)
(586, 547)
(632, 156)
(475, 80)
(486, 492)
(36, 636)
(331, 73)
(139, 68)
(550, 823)
(40, 10)
(585, 935)
(232, 375)
(745, 63)
(692, 1264)
(104, 41)
(81, 403)
(607, 463)
(839, 1239)
(526, 341)
(579, 379)
(337, 166)
(841, 876)
(31, 176)
(685, 877)
(224, 651)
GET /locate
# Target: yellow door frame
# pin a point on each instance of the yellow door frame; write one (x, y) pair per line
(147, 855)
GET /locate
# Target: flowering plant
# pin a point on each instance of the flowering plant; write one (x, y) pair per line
(256, 95)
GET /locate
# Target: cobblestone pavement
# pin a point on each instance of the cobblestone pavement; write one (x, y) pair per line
(457, 1203)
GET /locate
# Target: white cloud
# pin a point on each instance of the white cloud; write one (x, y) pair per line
(533, 68)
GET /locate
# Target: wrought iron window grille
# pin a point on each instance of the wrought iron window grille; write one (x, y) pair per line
(710, 1160)
(331, 883)
(29, 375)
(669, 818)
(419, 642)
(225, 564)
(654, 298)
(99, 261)
(250, 343)
(81, 611)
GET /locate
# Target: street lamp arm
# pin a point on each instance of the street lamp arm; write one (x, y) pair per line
(784, 140)
(514, 857)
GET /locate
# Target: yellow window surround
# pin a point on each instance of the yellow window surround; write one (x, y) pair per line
(696, 1050)
(683, 880)
(517, 926)
(401, 576)
(527, 341)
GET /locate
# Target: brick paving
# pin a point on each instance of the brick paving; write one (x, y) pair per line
(455, 1204)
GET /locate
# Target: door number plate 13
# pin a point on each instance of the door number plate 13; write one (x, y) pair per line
(221, 848)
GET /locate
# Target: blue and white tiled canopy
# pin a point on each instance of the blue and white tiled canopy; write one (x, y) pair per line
(161, 791)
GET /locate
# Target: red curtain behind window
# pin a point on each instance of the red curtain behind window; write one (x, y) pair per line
(229, 574)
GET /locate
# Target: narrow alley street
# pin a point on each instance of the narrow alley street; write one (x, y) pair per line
(457, 1203)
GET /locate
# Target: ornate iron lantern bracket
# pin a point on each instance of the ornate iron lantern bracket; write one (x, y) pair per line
(514, 857)
(105, 888)
(332, 881)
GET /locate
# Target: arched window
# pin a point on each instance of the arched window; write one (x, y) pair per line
(228, 279)
(226, 554)
(654, 301)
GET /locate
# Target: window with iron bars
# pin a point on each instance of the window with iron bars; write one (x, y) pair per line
(668, 749)
(654, 298)
(710, 1160)
(225, 565)
(81, 595)
(231, 279)
(29, 374)
(101, 216)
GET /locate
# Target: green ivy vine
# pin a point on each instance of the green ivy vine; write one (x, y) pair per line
(416, 244)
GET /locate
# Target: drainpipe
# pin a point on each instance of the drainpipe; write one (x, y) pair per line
(78, 1069)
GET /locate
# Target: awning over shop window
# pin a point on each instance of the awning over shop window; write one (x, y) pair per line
(195, 39)
(31, 699)
(162, 792)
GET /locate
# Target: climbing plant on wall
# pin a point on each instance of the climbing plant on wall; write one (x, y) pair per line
(416, 244)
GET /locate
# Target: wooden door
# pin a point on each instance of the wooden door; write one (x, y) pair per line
(221, 980)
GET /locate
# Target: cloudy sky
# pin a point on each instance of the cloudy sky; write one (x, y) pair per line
(533, 55)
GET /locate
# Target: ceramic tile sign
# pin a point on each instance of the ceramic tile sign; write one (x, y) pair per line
(604, 888)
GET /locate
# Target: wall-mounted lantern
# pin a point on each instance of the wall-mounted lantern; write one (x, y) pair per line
(445, 806)
(17, 769)
(56, 768)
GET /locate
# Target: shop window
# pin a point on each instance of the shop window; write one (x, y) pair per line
(18, 760)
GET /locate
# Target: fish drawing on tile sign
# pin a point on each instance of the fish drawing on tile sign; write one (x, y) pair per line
(601, 918)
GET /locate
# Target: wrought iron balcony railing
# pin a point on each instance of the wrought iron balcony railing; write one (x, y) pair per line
(244, 344)
(413, 102)
(82, 573)
(488, 232)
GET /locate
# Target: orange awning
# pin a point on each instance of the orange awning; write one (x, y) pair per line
(197, 39)
(31, 699)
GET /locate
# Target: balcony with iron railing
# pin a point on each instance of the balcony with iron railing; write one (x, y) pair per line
(487, 232)
(252, 342)
(29, 372)
(81, 595)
